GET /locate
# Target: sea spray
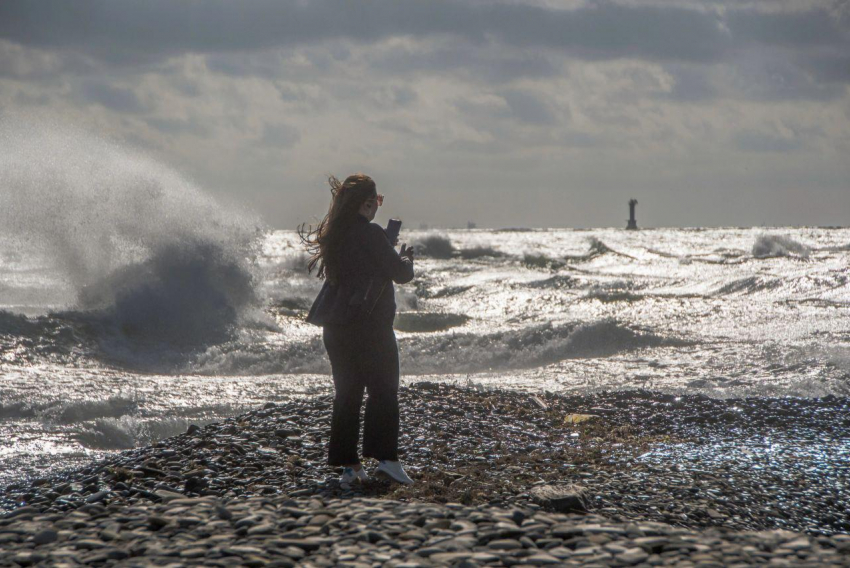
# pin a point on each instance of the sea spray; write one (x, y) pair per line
(149, 258)
(768, 246)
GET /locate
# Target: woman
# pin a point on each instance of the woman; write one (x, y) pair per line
(356, 307)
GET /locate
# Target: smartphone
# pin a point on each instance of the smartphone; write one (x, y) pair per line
(393, 229)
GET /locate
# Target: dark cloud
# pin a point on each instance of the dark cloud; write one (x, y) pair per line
(480, 61)
(114, 98)
(768, 75)
(463, 35)
(830, 68)
(528, 107)
(140, 31)
(691, 85)
(811, 28)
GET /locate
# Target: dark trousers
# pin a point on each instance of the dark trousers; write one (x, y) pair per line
(363, 358)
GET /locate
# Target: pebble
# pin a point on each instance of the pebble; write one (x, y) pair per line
(464, 541)
(254, 490)
(45, 536)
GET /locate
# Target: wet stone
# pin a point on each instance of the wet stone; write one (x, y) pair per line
(504, 544)
(45, 536)
(259, 495)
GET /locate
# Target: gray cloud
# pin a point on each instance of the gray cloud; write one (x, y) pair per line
(27, 99)
(454, 97)
(280, 135)
(833, 67)
(466, 34)
(758, 141)
(812, 28)
(179, 126)
(118, 99)
(482, 61)
(528, 107)
(768, 75)
(139, 31)
(691, 85)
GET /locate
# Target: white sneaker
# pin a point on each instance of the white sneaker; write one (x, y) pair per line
(349, 476)
(394, 470)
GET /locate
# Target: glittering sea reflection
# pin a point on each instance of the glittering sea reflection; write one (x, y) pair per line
(761, 453)
(668, 310)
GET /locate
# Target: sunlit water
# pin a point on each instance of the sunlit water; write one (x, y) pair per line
(726, 312)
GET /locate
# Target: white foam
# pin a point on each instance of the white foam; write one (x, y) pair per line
(131, 431)
(768, 246)
(151, 257)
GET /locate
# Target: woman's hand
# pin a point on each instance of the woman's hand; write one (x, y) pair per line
(406, 252)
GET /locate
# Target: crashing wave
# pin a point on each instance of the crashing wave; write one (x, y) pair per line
(69, 412)
(128, 431)
(434, 246)
(153, 260)
(771, 246)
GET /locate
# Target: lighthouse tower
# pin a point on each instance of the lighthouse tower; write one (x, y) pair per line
(632, 226)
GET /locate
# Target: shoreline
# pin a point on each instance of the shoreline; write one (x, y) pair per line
(644, 459)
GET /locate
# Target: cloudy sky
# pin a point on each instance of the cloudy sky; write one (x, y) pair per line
(506, 113)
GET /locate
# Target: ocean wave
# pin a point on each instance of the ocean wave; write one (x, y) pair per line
(69, 412)
(719, 256)
(596, 249)
(541, 261)
(607, 296)
(426, 353)
(27, 340)
(156, 264)
(444, 292)
(839, 248)
(261, 358)
(771, 246)
(555, 282)
(748, 285)
(521, 349)
(434, 246)
(480, 252)
(418, 322)
(81, 410)
(127, 431)
(18, 409)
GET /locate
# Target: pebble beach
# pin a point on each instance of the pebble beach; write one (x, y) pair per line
(502, 479)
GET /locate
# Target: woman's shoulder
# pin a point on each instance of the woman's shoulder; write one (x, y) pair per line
(375, 230)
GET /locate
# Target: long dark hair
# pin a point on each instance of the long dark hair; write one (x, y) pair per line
(324, 242)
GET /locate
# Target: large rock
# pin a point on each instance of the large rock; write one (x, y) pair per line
(561, 498)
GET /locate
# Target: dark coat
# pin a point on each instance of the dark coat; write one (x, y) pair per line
(365, 292)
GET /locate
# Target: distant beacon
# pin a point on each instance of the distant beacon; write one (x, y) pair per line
(632, 226)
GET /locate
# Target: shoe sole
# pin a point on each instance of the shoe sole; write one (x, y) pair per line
(383, 473)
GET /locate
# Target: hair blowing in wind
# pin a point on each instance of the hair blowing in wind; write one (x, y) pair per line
(325, 240)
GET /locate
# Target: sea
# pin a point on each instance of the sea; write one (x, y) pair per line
(133, 304)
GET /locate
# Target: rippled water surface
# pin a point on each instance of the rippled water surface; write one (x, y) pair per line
(725, 312)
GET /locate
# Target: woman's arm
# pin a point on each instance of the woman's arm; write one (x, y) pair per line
(390, 265)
